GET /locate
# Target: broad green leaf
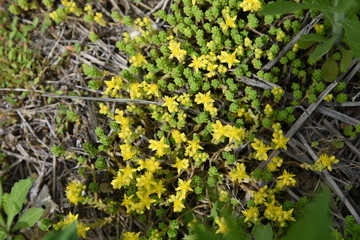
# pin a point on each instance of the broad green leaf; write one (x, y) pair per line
(322, 49)
(282, 7)
(315, 224)
(262, 232)
(347, 56)
(305, 44)
(29, 218)
(2, 234)
(213, 212)
(345, 6)
(16, 200)
(69, 233)
(330, 69)
(355, 47)
(1, 193)
(312, 37)
(352, 35)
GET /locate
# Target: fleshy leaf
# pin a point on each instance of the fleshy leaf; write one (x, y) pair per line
(347, 56)
(312, 37)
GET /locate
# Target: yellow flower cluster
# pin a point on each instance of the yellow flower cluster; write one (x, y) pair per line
(233, 133)
(250, 5)
(239, 173)
(324, 162)
(71, 7)
(277, 214)
(148, 188)
(113, 86)
(140, 90)
(181, 192)
(74, 191)
(207, 101)
(99, 19)
(81, 229)
(138, 60)
(209, 62)
(171, 104)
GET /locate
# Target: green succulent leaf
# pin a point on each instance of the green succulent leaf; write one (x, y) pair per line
(29, 218)
(322, 49)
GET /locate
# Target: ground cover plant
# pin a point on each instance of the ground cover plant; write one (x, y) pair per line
(157, 120)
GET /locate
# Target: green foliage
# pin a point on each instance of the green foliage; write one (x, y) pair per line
(13, 203)
(341, 15)
(68, 233)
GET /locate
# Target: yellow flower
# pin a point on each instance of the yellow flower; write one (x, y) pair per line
(113, 85)
(275, 163)
(158, 188)
(178, 204)
(192, 147)
(171, 104)
(99, 19)
(251, 214)
(326, 161)
(239, 174)
(223, 228)
(151, 165)
(127, 151)
(159, 146)
(286, 179)
(219, 130)
(146, 181)
(250, 5)
(198, 62)
(230, 59)
(261, 149)
(138, 60)
(328, 97)
(145, 201)
(230, 21)
(203, 98)
(183, 188)
(176, 51)
(260, 196)
(279, 140)
(81, 230)
(131, 236)
(74, 192)
(104, 109)
(178, 136)
(181, 164)
(268, 110)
